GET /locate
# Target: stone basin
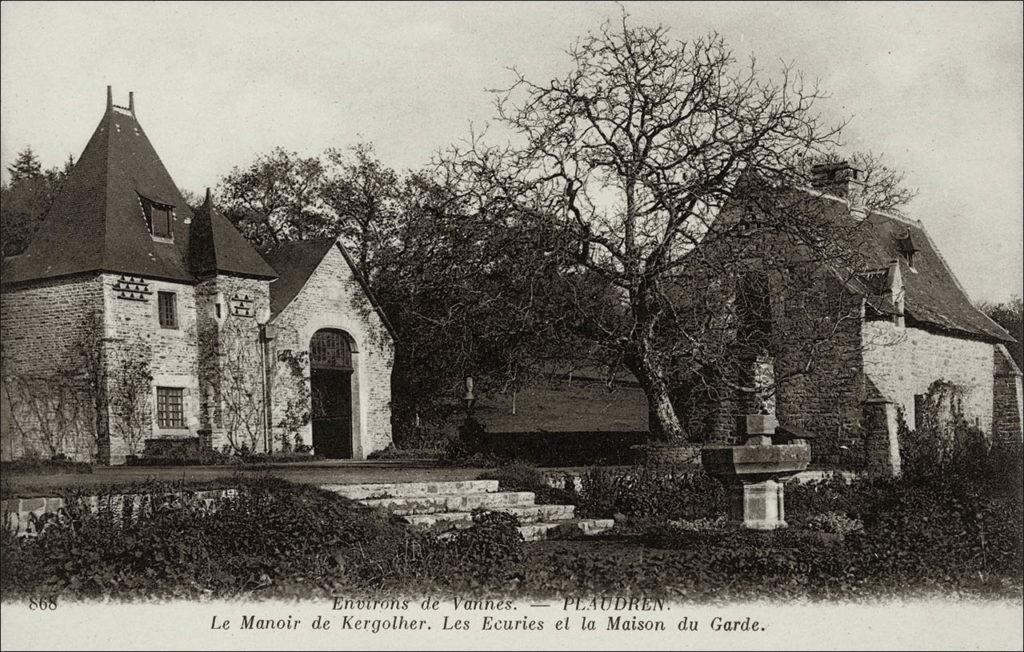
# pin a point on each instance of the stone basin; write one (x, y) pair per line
(756, 463)
(753, 474)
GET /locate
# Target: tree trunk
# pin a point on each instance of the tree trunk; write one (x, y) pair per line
(662, 419)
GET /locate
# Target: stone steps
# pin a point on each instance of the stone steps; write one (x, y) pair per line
(530, 514)
(448, 506)
(568, 529)
(411, 489)
(439, 503)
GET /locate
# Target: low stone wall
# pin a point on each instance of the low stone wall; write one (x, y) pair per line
(573, 480)
(31, 516)
(564, 448)
(668, 455)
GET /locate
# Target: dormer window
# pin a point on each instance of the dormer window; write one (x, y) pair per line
(158, 218)
(907, 248)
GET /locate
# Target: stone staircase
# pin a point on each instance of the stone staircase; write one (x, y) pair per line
(450, 505)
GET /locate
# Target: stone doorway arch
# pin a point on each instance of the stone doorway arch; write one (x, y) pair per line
(334, 395)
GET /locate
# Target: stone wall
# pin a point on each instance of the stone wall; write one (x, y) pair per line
(901, 363)
(1007, 399)
(821, 385)
(816, 341)
(333, 299)
(229, 310)
(48, 331)
(133, 331)
(28, 517)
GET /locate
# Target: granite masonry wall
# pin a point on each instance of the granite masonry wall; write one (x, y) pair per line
(333, 299)
(901, 363)
(133, 330)
(815, 342)
(45, 406)
(1007, 399)
(229, 310)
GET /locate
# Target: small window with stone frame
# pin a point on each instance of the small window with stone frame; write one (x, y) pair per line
(170, 407)
(167, 309)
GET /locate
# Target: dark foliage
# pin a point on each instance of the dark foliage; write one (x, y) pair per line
(59, 464)
(189, 452)
(958, 529)
(644, 493)
(274, 537)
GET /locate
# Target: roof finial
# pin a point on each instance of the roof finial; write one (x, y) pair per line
(110, 98)
(208, 203)
(131, 103)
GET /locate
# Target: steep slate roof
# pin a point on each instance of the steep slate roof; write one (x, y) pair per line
(97, 222)
(934, 297)
(215, 245)
(294, 263)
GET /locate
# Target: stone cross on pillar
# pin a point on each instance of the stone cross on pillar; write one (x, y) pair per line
(757, 426)
(754, 472)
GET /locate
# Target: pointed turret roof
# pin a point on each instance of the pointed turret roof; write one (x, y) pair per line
(98, 223)
(215, 245)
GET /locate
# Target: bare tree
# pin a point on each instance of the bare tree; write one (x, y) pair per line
(633, 154)
(885, 186)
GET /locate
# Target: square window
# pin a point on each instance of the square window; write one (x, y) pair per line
(170, 407)
(167, 307)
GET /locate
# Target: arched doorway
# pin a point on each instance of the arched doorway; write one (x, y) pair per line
(330, 361)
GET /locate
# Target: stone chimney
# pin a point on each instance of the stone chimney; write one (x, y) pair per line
(841, 179)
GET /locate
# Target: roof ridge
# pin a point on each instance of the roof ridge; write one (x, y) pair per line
(105, 124)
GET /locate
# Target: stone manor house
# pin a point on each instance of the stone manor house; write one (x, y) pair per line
(132, 320)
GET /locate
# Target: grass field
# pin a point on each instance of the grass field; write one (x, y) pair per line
(579, 405)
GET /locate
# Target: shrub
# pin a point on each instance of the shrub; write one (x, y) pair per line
(946, 445)
(487, 553)
(834, 523)
(651, 492)
(392, 452)
(420, 438)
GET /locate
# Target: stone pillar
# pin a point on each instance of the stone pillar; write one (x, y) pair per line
(758, 505)
(881, 440)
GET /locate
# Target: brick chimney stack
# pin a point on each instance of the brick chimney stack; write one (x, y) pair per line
(842, 180)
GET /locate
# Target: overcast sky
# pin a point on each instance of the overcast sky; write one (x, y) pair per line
(937, 88)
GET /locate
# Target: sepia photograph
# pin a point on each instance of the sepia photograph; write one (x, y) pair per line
(511, 325)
